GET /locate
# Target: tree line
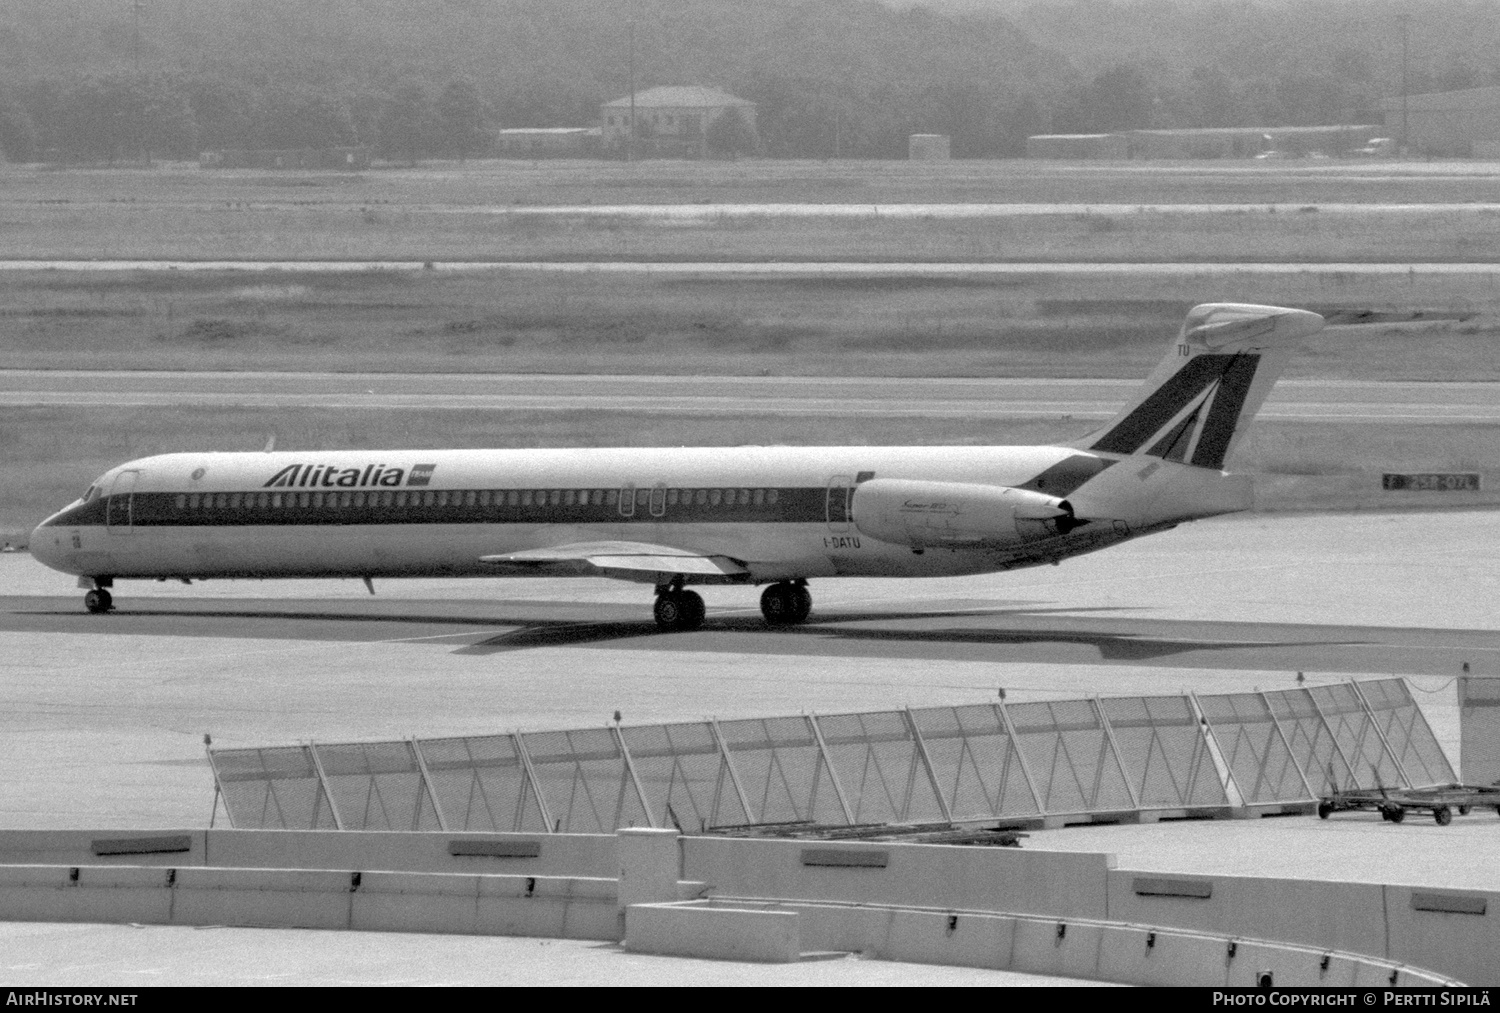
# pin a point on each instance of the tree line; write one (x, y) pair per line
(416, 79)
(122, 117)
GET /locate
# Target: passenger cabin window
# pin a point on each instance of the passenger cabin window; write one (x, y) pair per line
(630, 501)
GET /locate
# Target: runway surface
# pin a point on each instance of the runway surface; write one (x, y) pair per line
(858, 269)
(1305, 400)
(919, 211)
(103, 717)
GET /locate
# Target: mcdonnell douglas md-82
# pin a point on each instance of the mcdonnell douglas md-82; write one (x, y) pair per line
(778, 516)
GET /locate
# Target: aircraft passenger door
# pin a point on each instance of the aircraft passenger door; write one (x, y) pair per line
(627, 500)
(658, 500)
(119, 509)
(837, 503)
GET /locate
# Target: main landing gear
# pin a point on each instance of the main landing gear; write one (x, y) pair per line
(678, 610)
(99, 600)
(786, 604)
(783, 604)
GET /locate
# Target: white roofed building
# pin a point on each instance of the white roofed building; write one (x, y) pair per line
(670, 121)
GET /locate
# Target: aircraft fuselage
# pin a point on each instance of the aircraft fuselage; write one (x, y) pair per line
(784, 512)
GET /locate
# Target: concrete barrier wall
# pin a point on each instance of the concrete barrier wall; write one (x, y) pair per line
(759, 933)
(50, 893)
(1459, 941)
(929, 875)
(1363, 918)
(425, 888)
(397, 851)
(547, 906)
(1335, 916)
(550, 907)
(1102, 951)
(557, 854)
(75, 847)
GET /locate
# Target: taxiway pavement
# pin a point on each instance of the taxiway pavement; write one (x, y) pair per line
(103, 717)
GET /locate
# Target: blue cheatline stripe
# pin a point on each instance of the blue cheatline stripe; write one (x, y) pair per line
(546, 506)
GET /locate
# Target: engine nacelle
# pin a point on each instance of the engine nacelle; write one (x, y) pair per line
(920, 514)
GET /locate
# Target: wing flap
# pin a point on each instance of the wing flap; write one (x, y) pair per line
(634, 557)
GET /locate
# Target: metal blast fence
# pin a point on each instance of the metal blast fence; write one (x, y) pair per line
(1015, 762)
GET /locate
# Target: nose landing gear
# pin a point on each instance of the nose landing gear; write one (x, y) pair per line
(786, 604)
(98, 601)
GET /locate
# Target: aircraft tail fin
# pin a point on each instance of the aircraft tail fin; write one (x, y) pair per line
(1216, 374)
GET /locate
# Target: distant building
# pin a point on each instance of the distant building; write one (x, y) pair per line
(1338, 139)
(927, 147)
(1077, 146)
(669, 121)
(1450, 123)
(1247, 142)
(349, 159)
(548, 142)
(1209, 142)
(1221, 142)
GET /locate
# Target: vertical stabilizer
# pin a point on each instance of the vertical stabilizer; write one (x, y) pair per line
(1217, 373)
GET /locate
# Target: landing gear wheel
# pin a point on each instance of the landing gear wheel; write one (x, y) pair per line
(1443, 815)
(804, 603)
(98, 601)
(693, 609)
(1324, 809)
(785, 604)
(1394, 813)
(679, 610)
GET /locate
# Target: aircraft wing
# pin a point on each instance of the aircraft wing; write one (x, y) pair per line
(623, 558)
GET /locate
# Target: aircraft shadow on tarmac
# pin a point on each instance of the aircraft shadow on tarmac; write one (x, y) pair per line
(572, 633)
(544, 631)
(832, 629)
(524, 632)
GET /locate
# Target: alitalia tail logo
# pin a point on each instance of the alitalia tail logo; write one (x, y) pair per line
(307, 476)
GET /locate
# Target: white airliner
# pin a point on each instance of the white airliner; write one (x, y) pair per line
(779, 516)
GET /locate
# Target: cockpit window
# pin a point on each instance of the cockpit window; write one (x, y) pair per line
(90, 492)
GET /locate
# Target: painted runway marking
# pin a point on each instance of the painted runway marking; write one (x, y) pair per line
(1062, 412)
(774, 268)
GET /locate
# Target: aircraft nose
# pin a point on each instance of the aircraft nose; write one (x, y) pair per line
(47, 544)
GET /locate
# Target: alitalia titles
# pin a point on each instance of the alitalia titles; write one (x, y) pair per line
(327, 476)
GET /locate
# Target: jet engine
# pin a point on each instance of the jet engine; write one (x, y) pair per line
(920, 513)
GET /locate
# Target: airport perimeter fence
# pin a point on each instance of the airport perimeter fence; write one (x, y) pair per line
(1017, 762)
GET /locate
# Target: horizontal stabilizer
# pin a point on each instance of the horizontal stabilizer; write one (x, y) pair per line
(1216, 374)
(641, 557)
(1353, 316)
